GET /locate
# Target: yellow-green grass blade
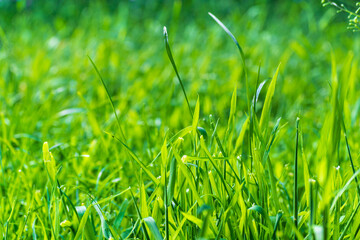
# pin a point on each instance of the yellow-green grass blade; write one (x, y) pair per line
(241, 54)
(168, 50)
(204, 148)
(265, 114)
(154, 230)
(196, 116)
(106, 232)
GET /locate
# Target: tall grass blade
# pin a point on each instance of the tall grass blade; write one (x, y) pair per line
(143, 227)
(312, 208)
(296, 176)
(241, 54)
(350, 157)
(164, 154)
(168, 50)
(110, 99)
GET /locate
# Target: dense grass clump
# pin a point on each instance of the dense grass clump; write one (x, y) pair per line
(222, 125)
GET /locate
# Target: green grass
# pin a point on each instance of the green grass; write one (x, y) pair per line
(112, 128)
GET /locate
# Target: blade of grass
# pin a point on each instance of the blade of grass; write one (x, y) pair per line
(230, 127)
(296, 177)
(241, 54)
(164, 155)
(350, 158)
(110, 99)
(187, 173)
(84, 213)
(203, 146)
(343, 189)
(312, 208)
(349, 221)
(168, 50)
(217, 137)
(104, 226)
(267, 104)
(146, 235)
(277, 221)
(150, 222)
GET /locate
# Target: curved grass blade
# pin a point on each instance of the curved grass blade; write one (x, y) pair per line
(84, 214)
(150, 222)
(273, 135)
(259, 210)
(193, 219)
(104, 226)
(277, 221)
(121, 214)
(168, 50)
(110, 99)
(267, 104)
(33, 230)
(231, 35)
(261, 85)
(241, 54)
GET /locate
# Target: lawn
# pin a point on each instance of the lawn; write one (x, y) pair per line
(179, 120)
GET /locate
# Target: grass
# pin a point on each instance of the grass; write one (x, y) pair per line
(96, 139)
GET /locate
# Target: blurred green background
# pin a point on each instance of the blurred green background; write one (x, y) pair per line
(48, 84)
(50, 92)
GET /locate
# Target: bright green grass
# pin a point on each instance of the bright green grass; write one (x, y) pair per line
(262, 136)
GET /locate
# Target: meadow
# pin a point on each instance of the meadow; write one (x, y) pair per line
(178, 120)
